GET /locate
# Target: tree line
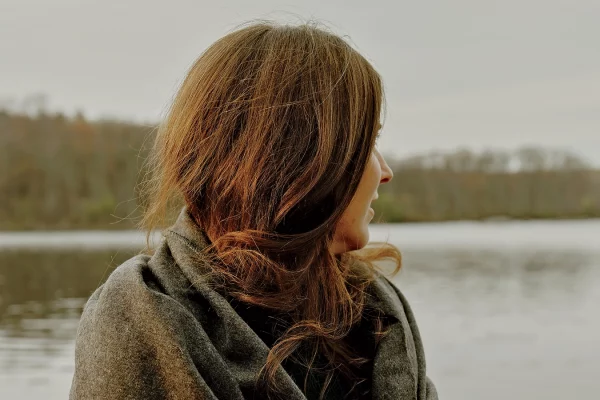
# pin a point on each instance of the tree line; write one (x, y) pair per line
(528, 183)
(59, 172)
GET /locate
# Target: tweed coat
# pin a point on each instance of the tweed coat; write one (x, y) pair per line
(156, 330)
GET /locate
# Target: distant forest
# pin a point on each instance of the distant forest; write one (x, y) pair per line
(61, 172)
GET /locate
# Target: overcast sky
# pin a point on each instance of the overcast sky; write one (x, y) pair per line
(474, 73)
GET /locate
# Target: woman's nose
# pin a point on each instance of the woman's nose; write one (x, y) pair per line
(386, 171)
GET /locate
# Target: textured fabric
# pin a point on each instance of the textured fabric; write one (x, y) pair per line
(361, 341)
(156, 330)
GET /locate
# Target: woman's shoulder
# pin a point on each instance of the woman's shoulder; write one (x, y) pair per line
(386, 296)
(404, 344)
(390, 290)
(140, 287)
(124, 280)
(134, 325)
(129, 299)
(148, 331)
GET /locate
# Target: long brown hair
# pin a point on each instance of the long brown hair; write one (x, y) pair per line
(266, 142)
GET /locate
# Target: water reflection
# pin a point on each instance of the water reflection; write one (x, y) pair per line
(531, 274)
(497, 325)
(515, 316)
(42, 294)
(38, 285)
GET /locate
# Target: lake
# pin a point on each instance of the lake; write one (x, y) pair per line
(507, 310)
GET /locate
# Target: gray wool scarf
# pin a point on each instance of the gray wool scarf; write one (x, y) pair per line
(156, 330)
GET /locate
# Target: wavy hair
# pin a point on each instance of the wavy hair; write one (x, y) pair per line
(266, 142)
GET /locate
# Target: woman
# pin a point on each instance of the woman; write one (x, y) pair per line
(264, 286)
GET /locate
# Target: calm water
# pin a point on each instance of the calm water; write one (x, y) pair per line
(506, 310)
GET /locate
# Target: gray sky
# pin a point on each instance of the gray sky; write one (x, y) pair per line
(471, 73)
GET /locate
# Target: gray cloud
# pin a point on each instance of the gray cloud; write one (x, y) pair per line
(457, 73)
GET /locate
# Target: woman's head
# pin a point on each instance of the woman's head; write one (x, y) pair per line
(272, 130)
(271, 144)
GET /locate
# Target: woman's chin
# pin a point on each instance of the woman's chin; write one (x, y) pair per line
(361, 239)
